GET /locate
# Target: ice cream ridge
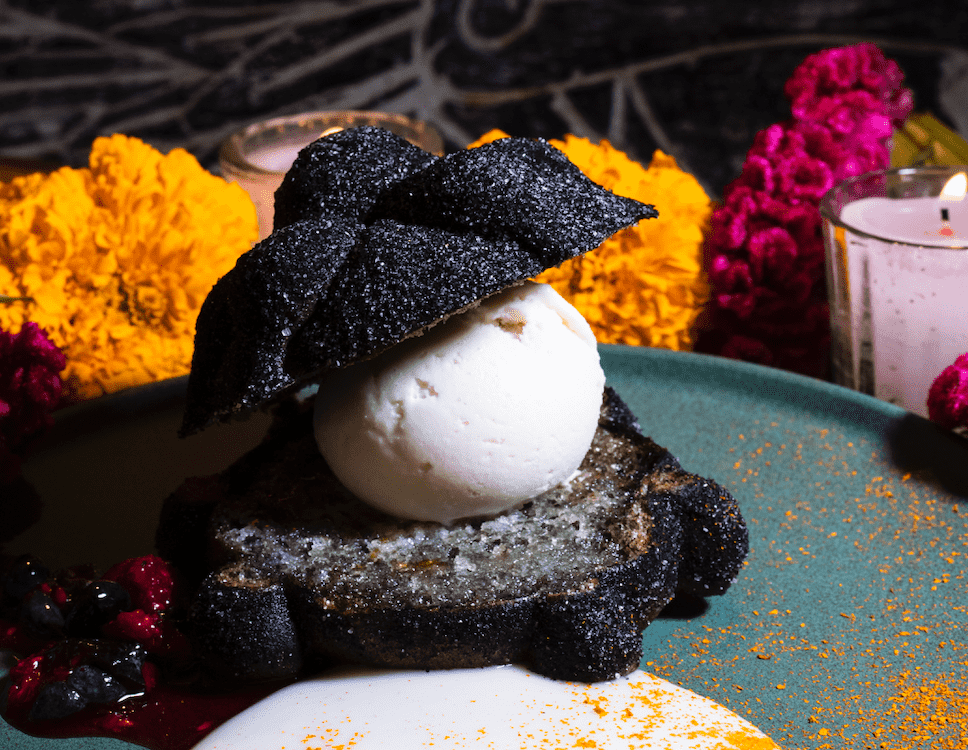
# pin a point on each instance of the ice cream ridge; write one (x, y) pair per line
(463, 489)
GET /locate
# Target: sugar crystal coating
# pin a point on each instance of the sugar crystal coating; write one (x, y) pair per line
(320, 184)
(376, 241)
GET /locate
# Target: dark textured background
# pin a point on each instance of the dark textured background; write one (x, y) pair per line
(695, 78)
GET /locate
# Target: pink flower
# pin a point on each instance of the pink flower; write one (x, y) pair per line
(764, 246)
(773, 253)
(803, 223)
(819, 142)
(30, 388)
(727, 231)
(804, 178)
(833, 73)
(948, 396)
(759, 175)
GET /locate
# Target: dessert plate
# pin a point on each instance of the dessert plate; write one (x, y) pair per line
(844, 628)
(370, 710)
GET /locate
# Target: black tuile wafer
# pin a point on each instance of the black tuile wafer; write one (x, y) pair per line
(369, 251)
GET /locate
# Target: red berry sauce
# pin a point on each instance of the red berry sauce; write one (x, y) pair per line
(124, 679)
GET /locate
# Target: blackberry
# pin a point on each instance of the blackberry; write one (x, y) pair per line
(97, 604)
(56, 700)
(96, 686)
(41, 616)
(26, 574)
(122, 659)
(77, 673)
(89, 656)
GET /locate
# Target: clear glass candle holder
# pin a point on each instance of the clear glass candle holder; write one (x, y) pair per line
(258, 156)
(897, 277)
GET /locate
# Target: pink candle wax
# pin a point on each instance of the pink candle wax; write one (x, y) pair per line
(258, 156)
(914, 265)
(916, 221)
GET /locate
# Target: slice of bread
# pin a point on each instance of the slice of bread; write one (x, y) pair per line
(299, 573)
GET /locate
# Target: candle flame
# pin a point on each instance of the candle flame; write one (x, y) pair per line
(955, 188)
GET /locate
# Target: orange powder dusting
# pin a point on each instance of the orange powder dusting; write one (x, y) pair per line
(922, 711)
(310, 739)
(880, 668)
(639, 713)
(651, 711)
(746, 741)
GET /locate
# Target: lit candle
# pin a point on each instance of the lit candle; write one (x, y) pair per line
(928, 221)
(259, 156)
(277, 157)
(897, 246)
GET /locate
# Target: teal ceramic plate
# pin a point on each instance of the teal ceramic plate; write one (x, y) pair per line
(844, 628)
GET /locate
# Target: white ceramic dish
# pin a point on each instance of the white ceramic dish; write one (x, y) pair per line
(498, 707)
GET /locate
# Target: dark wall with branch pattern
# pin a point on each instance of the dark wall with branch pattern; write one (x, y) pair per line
(695, 78)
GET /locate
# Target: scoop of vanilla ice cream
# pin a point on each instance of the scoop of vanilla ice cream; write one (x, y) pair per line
(488, 409)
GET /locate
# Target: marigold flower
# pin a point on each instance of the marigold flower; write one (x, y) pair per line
(117, 258)
(30, 388)
(645, 285)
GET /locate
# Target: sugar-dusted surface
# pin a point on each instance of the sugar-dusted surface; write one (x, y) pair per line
(360, 558)
(366, 263)
(565, 586)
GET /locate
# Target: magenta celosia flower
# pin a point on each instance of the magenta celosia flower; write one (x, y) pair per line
(764, 246)
(792, 161)
(832, 73)
(856, 94)
(948, 396)
(30, 388)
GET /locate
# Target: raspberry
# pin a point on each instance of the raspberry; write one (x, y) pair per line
(148, 579)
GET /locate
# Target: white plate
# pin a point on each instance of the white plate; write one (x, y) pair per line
(498, 707)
